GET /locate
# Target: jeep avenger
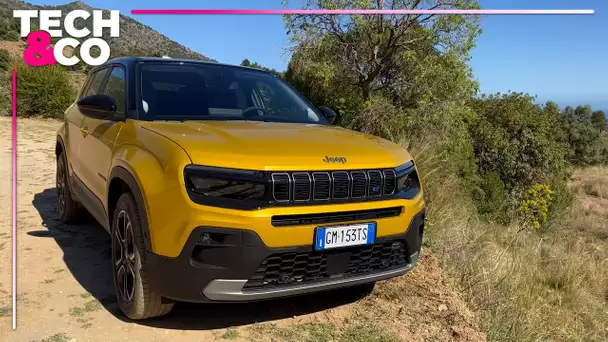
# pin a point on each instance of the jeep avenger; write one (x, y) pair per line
(222, 183)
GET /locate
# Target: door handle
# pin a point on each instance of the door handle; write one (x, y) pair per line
(84, 131)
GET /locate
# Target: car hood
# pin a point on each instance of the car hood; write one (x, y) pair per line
(277, 146)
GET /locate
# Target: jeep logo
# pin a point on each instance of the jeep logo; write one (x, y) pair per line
(335, 160)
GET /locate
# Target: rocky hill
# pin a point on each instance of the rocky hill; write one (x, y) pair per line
(136, 39)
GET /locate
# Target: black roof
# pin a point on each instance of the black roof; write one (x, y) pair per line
(130, 61)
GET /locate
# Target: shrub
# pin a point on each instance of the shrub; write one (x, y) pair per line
(516, 143)
(9, 26)
(536, 204)
(582, 134)
(5, 93)
(43, 91)
(491, 195)
(5, 60)
(598, 119)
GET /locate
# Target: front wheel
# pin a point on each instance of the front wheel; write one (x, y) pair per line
(133, 292)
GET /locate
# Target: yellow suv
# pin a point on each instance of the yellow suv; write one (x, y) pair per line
(222, 183)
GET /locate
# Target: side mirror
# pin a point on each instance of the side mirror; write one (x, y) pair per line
(329, 114)
(98, 106)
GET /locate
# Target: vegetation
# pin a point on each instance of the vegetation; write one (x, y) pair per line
(43, 91)
(9, 27)
(312, 332)
(256, 65)
(5, 60)
(495, 167)
(527, 250)
(135, 37)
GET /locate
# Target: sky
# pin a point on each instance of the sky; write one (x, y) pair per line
(560, 58)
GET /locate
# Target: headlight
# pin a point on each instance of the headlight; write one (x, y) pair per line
(226, 183)
(407, 178)
(227, 188)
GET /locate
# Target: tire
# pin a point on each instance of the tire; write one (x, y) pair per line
(70, 211)
(134, 295)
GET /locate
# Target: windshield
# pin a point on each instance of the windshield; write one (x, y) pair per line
(196, 91)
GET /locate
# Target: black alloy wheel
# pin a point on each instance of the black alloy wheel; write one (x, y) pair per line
(124, 256)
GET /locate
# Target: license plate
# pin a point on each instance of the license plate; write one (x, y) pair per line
(345, 236)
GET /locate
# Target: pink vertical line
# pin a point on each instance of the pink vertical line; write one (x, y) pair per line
(14, 167)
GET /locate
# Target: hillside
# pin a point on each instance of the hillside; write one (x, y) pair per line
(135, 37)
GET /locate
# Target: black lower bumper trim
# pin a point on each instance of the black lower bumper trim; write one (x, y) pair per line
(217, 263)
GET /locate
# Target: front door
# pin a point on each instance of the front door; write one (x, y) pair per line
(75, 119)
(98, 145)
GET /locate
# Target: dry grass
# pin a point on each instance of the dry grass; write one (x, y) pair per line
(525, 285)
(592, 181)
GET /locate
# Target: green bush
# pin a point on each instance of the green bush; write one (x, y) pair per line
(5, 93)
(491, 195)
(9, 26)
(516, 143)
(582, 134)
(5, 60)
(598, 120)
(43, 91)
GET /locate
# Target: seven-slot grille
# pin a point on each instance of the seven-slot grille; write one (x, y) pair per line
(336, 185)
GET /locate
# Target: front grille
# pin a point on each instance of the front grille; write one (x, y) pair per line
(281, 187)
(296, 268)
(341, 216)
(301, 186)
(336, 185)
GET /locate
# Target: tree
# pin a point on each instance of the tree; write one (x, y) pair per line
(246, 62)
(415, 62)
(370, 49)
(256, 65)
(580, 134)
(598, 119)
(518, 141)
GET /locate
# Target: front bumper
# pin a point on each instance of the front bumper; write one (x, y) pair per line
(239, 267)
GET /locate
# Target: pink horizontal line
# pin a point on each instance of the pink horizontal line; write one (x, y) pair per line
(354, 11)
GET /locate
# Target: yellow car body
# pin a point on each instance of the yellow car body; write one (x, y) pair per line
(107, 155)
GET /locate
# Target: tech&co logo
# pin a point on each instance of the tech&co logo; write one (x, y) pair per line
(39, 51)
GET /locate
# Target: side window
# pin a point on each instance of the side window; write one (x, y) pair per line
(95, 83)
(115, 87)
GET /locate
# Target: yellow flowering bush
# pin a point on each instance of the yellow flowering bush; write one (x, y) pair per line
(535, 204)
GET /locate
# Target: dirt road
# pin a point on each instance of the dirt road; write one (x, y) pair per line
(65, 291)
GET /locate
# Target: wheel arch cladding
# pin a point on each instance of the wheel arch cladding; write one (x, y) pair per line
(59, 146)
(121, 181)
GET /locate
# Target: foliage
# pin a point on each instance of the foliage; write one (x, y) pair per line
(388, 75)
(5, 93)
(536, 203)
(43, 91)
(371, 52)
(517, 145)
(9, 26)
(135, 37)
(490, 195)
(256, 65)
(598, 120)
(5, 60)
(581, 132)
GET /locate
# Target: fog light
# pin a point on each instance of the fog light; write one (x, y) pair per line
(206, 239)
(211, 239)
